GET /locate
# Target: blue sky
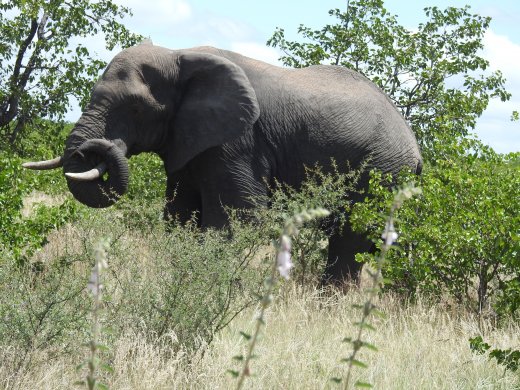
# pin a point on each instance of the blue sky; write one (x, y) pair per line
(245, 26)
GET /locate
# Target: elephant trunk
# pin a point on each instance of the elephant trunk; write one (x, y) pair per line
(87, 151)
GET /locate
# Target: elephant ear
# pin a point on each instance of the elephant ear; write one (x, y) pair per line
(218, 104)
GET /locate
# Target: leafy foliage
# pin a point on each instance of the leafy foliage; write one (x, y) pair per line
(184, 282)
(434, 74)
(42, 66)
(21, 236)
(148, 181)
(41, 307)
(461, 236)
(508, 358)
(333, 191)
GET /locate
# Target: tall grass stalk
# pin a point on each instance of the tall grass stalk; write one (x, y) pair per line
(283, 265)
(389, 236)
(95, 286)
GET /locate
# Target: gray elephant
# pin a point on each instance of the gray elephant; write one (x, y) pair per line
(225, 126)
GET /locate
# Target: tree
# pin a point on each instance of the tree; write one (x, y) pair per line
(434, 73)
(44, 57)
(462, 235)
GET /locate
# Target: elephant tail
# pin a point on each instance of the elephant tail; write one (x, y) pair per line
(419, 167)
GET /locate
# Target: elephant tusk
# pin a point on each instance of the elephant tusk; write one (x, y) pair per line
(41, 165)
(95, 173)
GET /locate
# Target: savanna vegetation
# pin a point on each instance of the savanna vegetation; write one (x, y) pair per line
(178, 307)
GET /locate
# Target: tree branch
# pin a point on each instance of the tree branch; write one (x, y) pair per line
(10, 107)
(41, 27)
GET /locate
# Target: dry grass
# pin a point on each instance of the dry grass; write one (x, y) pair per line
(38, 198)
(421, 347)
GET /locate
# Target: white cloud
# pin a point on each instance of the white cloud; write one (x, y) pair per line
(495, 127)
(151, 18)
(227, 28)
(156, 14)
(215, 30)
(503, 54)
(257, 51)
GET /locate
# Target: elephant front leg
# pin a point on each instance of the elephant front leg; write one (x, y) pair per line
(341, 263)
(217, 198)
(183, 202)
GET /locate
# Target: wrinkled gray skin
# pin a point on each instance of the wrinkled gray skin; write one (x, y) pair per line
(222, 122)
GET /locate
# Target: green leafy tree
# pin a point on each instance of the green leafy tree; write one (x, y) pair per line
(434, 73)
(462, 236)
(44, 59)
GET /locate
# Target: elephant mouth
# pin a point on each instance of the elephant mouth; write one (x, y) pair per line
(97, 173)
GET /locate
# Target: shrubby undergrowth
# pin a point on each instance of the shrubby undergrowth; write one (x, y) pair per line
(183, 283)
(21, 236)
(461, 238)
(166, 282)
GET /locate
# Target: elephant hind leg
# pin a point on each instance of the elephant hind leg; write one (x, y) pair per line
(341, 263)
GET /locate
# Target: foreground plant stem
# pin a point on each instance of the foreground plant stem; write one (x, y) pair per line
(282, 264)
(95, 287)
(266, 300)
(389, 237)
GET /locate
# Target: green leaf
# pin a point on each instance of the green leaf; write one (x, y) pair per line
(372, 347)
(107, 368)
(478, 345)
(233, 373)
(336, 380)
(363, 385)
(102, 348)
(354, 362)
(358, 363)
(364, 325)
(245, 335)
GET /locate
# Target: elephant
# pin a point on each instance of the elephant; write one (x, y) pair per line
(226, 126)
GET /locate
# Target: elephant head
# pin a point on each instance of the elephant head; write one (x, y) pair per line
(151, 99)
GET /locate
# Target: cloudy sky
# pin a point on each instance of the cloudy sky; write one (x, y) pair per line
(245, 26)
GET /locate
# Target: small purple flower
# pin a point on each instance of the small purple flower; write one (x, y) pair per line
(94, 285)
(283, 257)
(389, 235)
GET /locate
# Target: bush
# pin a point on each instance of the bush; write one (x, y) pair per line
(183, 283)
(333, 191)
(461, 237)
(162, 280)
(42, 308)
(148, 179)
(181, 280)
(22, 236)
